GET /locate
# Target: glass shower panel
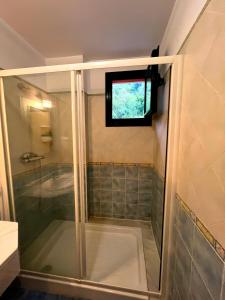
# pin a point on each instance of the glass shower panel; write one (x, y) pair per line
(125, 191)
(39, 125)
(116, 223)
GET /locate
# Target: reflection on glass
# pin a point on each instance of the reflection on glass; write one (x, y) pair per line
(125, 181)
(40, 144)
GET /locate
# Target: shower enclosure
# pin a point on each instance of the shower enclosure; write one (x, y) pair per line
(81, 220)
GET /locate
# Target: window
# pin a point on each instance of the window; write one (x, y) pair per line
(128, 98)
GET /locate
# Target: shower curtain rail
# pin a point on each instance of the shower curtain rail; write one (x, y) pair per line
(128, 62)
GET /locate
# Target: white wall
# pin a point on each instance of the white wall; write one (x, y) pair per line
(182, 19)
(64, 60)
(61, 81)
(15, 52)
(94, 80)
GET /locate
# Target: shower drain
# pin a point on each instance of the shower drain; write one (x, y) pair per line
(46, 268)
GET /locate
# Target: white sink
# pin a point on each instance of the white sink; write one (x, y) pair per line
(9, 258)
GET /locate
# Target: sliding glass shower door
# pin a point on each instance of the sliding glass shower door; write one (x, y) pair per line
(88, 210)
(39, 130)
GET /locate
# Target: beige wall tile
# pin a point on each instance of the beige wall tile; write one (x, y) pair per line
(201, 176)
(202, 38)
(116, 144)
(211, 196)
(218, 167)
(217, 6)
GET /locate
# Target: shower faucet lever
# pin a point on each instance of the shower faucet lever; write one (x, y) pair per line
(30, 156)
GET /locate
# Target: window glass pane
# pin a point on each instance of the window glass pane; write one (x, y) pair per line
(128, 98)
(148, 95)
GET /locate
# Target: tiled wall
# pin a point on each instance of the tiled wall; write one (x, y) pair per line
(116, 144)
(35, 213)
(160, 124)
(197, 267)
(120, 190)
(198, 250)
(157, 209)
(114, 190)
(201, 176)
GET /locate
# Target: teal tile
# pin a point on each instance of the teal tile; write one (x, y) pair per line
(198, 290)
(223, 288)
(94, 183)
(106, 183)
(94, 209)
(144, 212)
(93, 171)
(132, 198)
(145, 186)
(118, 171)
(106, 209)
(182, 269)
(106, 196)
(185, 226)
(145, 198)
(131, 211)
(105, 170)
(97, 194)
(131, 186)
(145, 172)
(118, 210)
(131, 172)
(118, 184)
(209, 264)
(118, 197)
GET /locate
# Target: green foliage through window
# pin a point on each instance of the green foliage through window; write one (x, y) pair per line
(148, 95)
(128, 99)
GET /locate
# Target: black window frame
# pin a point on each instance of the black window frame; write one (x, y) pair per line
(125, 75)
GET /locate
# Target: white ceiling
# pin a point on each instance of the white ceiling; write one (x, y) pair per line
(97, 29)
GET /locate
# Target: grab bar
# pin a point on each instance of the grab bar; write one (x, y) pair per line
(30, 157)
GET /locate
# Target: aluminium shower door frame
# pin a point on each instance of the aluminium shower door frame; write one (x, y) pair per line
(79, 159)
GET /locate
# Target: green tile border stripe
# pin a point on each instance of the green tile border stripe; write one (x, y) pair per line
(205, 232)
